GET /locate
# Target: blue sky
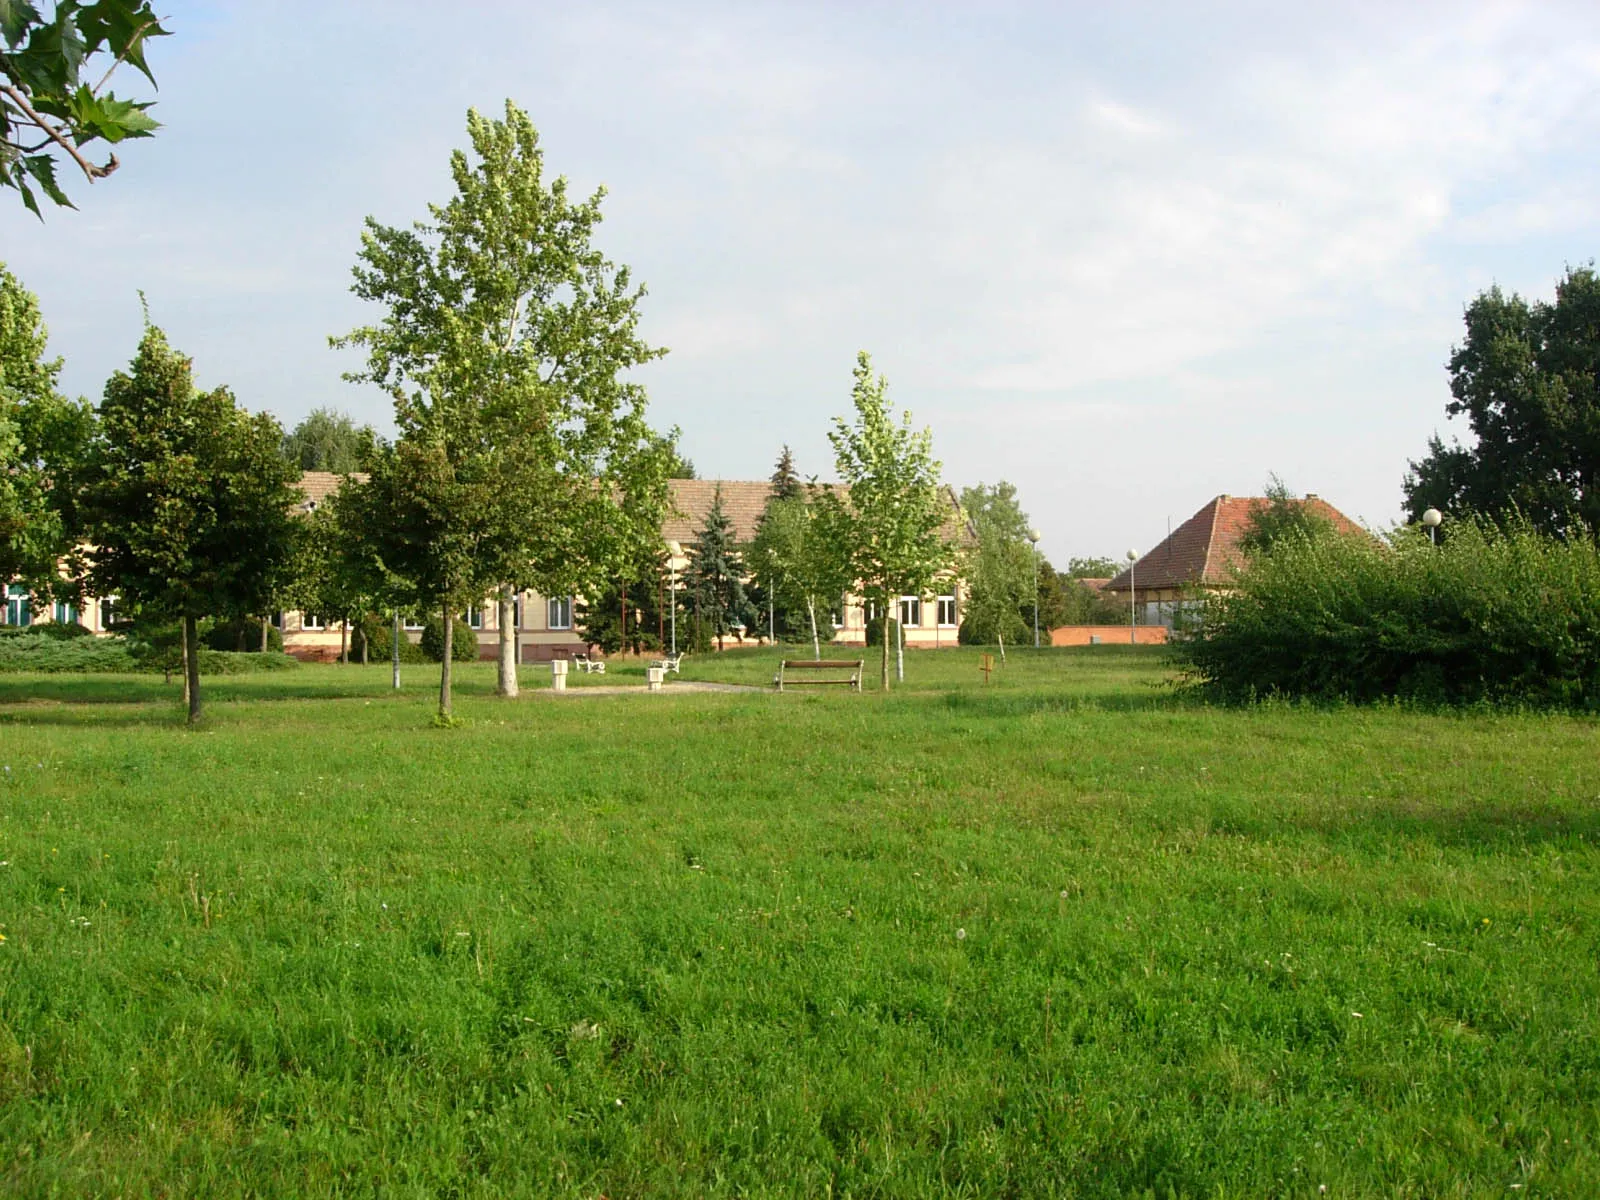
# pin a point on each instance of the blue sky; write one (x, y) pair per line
(1125, 256)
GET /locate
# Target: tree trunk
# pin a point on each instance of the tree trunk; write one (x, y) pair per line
(899, 652)
(624, 593)
(1000, 639)
(507, 685)
(394, 649)
(344, 641)
(886, 647)
(266, 638)
(816, 645)
(366, 642)
(191, 673)
(183, 656)
(444, 667)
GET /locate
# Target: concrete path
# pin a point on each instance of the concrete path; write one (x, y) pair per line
(682, 685)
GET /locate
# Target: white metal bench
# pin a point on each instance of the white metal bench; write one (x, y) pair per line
(590, 666)
(672, 662)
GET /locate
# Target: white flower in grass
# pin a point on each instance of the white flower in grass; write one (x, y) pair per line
(961, 935)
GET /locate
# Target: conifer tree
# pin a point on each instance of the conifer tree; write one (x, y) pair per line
(715, 577)
(786, 483)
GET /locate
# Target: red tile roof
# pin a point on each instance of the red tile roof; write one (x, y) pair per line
(317, 486)
(1204, 550)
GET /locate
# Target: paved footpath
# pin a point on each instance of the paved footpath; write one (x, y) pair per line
(686, 685)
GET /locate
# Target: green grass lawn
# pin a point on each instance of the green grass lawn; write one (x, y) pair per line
(1067, 933)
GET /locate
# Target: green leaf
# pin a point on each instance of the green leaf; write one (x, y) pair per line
(43, 168)
(15, 18)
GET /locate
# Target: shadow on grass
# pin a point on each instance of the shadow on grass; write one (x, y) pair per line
(1156, 698)
(1492, 828)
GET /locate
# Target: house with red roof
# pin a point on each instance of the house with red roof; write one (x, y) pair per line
(1202, 554)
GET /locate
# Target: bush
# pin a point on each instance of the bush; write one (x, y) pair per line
(230, 662)
(239, 636)
(56, 630)
(1497, 616)
(875, 633)
(376, 630)
(55, 654)
(463, 644)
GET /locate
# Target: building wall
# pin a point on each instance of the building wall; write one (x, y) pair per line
(1109, 635)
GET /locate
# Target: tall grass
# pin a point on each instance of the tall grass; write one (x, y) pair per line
(1498, 616)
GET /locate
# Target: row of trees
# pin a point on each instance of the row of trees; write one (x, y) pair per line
(523, 460)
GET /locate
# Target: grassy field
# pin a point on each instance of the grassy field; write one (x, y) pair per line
(1064, 934)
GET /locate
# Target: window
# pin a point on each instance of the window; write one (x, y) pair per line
(108, 612)
(475, 616)
(18, 610)
(516, 611)
(310, 621)
(560, 612)
(277, 620)
(911, 611)
(412, 622)
(65, 614)
(947, 611)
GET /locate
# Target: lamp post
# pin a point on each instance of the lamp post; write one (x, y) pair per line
(1033, 538)
(674, 549)
(1431, 519)
(1133, 635)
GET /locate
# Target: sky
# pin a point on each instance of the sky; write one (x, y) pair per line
(1125, 256)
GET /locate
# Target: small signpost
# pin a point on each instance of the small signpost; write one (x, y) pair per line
(986, 664)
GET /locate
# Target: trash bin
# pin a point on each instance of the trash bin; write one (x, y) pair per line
(558, 674)
(653, 677)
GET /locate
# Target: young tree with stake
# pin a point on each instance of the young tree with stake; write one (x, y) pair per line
(891, 526)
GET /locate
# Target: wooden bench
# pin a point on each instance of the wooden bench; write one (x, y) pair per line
(806, 665)
(591, 666)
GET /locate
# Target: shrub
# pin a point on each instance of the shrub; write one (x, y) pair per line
(376, 630)
(464, 641)
(55, 630)
(239, 636)
(1505, 616)
(54, 654)
(230, 662)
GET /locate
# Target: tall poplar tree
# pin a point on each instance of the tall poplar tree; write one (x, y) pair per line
(892, 521)
(524, 459)
(185, 500)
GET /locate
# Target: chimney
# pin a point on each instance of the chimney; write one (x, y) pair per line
(1311, 495)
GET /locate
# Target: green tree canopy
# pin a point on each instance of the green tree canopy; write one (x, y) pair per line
(799, 554)
(42, 435)
(786, 483)
(185, 499)
(329, 440)
(890, 529)
(49, 108)
(524, 459)
(1527, 380)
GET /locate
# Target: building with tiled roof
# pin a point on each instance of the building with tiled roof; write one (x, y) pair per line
(1203, 553)
(545, 625)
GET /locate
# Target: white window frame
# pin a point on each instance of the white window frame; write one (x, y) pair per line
(411, 623)
(64, 613)
(474, 616)
(107, 606)
(948, 599)
(516, 611)
(558, 612)
(909, 612)
(312, 622)
(19, 602)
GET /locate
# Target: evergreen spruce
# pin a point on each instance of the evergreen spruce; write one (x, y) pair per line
(785, 480)
(715, 577)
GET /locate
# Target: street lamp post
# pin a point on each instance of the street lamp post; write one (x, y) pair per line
(1431, 519)
(1033, 537)
(1133, 633)
(673, 550)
